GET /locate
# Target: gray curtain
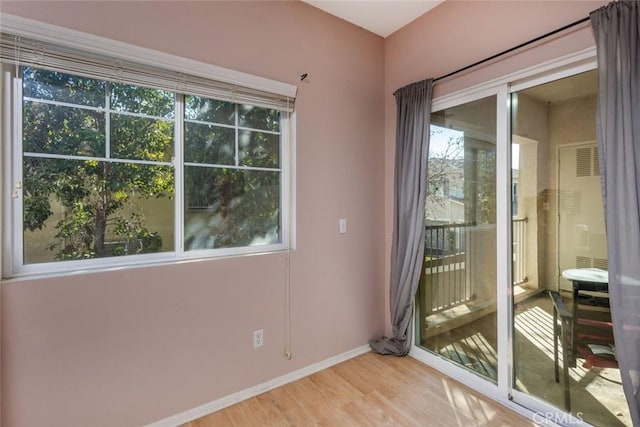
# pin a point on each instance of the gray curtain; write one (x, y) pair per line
(407, 248)
(617, 31)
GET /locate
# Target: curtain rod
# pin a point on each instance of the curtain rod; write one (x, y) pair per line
(573, 24)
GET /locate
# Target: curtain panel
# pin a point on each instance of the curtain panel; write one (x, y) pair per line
(407, 247)
(617, 31)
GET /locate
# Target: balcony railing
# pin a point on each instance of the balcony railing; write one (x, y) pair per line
(519, 251)
(446, 279)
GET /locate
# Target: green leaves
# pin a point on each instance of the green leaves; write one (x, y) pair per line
(54, 129)
(97, 157)
(141, 138)
(141, 100)
(230, 208)
(60, 87)
(209, 110)
(258, 118)
(206, 143)
(98, 203)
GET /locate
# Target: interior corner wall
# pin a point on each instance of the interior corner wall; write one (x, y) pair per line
(459, 33)
(133, 346)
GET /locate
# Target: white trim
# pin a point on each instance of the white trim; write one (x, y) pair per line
(33, 155)
(95, 265)
(504, 285)
(178, 177)
(48, 274)
(15, 245)
(467, 377)
(292, 181)
(504, 392)
(465, 96)
(585, 58)
(80, 40)
(566, 71)
(285, 178)
(6, 153)
(232, 399)
(15, 266)
(547, 411)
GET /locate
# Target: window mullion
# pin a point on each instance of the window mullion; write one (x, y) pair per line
(178, 164)
(97, 159)
(237, 153)
(17, 195)
(107, 120)
(286, 189)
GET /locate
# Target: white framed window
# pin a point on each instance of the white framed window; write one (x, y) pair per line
(122, 164)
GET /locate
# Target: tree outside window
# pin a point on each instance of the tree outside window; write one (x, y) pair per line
(99, 174)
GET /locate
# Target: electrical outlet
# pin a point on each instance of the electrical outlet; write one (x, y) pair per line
(258, 338)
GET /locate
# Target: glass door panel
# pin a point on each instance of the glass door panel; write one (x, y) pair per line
(456, 301)
(558, 226)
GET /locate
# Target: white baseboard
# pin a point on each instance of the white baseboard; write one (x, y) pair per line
(232, 399)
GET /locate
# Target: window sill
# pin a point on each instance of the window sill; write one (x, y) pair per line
(171, 260)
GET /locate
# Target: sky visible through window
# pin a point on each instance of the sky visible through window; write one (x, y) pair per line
(440, 137)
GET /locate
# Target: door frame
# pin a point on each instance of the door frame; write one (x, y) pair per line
(504, 391)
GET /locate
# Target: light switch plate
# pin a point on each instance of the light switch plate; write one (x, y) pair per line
(342, 222)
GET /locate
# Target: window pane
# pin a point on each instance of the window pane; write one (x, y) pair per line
(258, 118)
(209, 144)
(142, 100)
(55, 129)
(54, 86)
(259, 149)
(87, 209)
(209, 110)
(227, 208)
(141, 138)
(457, 291)
(558, 232)
(113, 205)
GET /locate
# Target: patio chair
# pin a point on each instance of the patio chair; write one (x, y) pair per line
(585, 332)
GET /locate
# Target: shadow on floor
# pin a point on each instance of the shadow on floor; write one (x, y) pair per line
(596, 394)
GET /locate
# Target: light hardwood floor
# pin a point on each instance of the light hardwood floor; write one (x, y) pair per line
(369, 390)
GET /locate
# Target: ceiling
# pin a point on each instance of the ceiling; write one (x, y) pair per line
(382, 17)
(584, 84)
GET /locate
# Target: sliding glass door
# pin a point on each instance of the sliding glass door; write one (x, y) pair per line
(514, 212)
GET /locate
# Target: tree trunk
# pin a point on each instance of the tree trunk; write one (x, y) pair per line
(101, 214)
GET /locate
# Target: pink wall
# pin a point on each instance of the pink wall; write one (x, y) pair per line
(458, 33)
(134, 346)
